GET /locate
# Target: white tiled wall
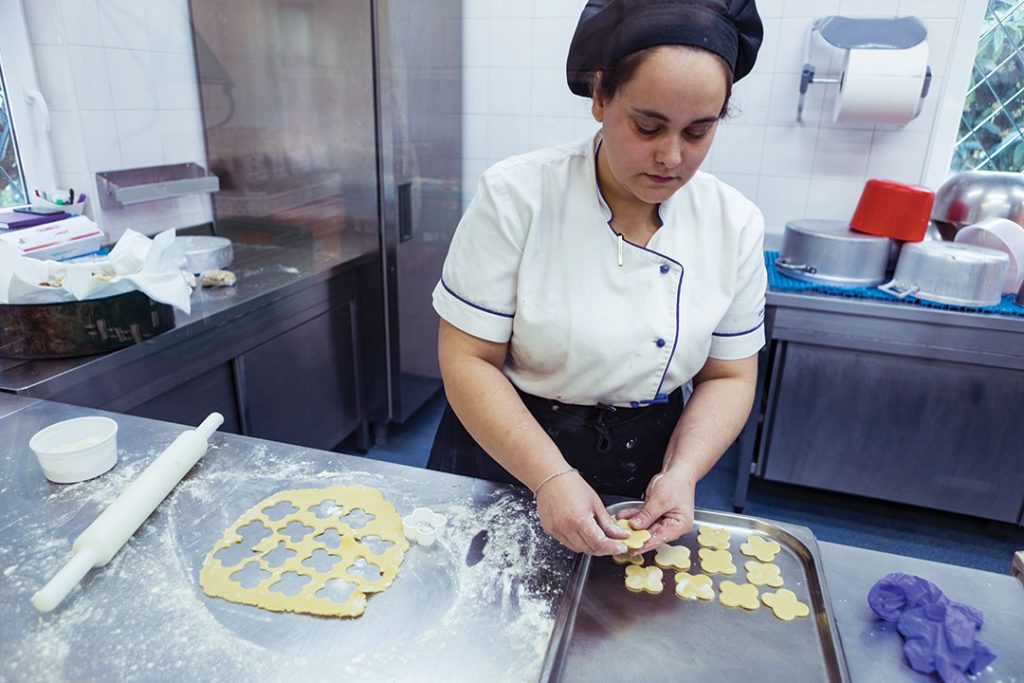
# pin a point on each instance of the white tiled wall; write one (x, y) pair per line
(120, 80)
(516, 100)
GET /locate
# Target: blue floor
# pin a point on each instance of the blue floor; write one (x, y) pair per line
(834, 517)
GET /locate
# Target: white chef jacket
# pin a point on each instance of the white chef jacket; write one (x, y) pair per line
(534, 262)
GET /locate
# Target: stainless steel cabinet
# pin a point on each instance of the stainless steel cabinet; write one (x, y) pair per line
(900, 403)
(303, 387)
(911, 430)
(191, 401)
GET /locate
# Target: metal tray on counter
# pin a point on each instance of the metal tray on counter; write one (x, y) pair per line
(605, 632)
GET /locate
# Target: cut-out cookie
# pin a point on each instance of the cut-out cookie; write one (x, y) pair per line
(646, 579)
(694, 587)
(637, 538)
(716, 561)
(763, 574)
(672, 556)
(738, 595)
(761, 548)
(626, 558)
(784, 604)
(712, 537)
(291, 571)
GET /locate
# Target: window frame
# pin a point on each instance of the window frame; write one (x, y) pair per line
(35, 151)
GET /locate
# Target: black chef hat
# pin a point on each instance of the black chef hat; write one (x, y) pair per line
(610, 29)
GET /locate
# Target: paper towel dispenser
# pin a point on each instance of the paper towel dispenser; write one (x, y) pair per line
(858, 36)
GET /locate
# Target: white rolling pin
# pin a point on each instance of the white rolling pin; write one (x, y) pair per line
(112, 529)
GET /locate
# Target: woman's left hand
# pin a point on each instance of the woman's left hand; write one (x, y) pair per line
(667, 511)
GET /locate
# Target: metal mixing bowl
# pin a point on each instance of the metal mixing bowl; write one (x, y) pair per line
(973, 196)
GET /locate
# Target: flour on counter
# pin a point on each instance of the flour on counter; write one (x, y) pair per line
(505, 600)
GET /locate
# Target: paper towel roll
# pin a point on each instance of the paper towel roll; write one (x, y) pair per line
(881, 86)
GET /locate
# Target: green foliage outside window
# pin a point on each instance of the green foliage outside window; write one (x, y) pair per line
(991, 136)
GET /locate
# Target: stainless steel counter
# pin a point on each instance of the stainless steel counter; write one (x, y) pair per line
(477, 606)
(266, 273)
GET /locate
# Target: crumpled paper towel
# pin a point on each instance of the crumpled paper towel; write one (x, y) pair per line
(941, 635)
(152, 266)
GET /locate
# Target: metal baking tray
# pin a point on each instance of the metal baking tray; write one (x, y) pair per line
(605, 632)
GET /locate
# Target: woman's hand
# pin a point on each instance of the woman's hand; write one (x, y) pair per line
(668, 508)
(572, 513)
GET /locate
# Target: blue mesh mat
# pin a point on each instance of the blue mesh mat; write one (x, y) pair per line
(782, 283)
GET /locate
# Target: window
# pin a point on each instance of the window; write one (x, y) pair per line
(991, 136)
(26, 157)
(12, 181)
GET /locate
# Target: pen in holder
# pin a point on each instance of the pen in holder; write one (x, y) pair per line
(59, 200)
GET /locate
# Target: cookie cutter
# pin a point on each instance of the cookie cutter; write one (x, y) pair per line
(423, 526)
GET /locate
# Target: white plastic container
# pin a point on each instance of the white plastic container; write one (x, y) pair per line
(1004, 235)
(77, 449)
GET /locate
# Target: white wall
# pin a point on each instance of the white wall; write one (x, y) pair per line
(516, 99)
(120, 80)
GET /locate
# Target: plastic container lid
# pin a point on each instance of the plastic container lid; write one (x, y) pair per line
(77, 449)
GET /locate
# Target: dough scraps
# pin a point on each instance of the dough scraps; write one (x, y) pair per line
(716, 561)
(694, 587)
(711, 537)
(672, 556)
(739, 595)
(646, 579)
(761, 574)
(761, 548)
(784, 604)
(316, 551)
(637, 538)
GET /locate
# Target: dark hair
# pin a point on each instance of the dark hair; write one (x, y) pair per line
(622, 70)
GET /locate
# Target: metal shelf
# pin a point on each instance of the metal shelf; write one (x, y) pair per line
(134, 185)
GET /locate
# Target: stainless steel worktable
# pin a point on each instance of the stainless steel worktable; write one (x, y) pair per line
(476, 606)
(266, 273)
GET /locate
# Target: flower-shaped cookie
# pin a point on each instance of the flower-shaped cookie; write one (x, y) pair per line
(738, 595)
(637, 538)
(716, 561)
(763, 574)
(626, 558)
(672, 556)
(423, 525)
(785, 605)
(761, 548)
(694, 587)
(646, 579)
(713, 538)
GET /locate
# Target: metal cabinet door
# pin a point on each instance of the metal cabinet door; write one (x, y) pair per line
(913, 430)
(302, 387)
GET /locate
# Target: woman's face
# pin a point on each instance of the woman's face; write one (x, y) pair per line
(659, 125)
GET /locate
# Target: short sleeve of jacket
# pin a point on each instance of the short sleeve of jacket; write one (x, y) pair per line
(477, 291)
(740, 333)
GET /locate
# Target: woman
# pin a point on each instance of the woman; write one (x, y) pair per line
(587, 285)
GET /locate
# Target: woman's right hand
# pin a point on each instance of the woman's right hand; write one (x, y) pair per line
(572, 513)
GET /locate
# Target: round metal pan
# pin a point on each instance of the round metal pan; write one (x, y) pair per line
(949, 273)
(828, 252)
(81, 328)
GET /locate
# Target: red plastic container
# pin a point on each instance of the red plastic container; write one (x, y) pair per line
(890, 209)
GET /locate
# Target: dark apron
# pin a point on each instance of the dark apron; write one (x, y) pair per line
(616, 450)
